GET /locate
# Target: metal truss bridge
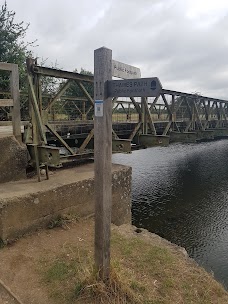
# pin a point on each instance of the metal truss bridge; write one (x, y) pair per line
(65, 119)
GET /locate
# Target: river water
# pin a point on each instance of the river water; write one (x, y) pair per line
(180, 192)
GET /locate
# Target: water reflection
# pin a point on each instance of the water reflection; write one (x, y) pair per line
(181, 192)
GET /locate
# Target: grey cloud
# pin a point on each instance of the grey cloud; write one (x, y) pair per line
(158, 36)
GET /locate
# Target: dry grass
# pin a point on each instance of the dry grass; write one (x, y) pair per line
(163, 275)
(142, 273)
(72, 279)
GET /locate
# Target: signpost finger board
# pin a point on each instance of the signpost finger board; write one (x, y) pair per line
(142, 87)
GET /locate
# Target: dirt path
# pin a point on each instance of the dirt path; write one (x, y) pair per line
(5, 298)
(18, 262)
(46, 268)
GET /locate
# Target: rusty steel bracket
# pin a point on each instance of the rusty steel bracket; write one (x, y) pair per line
(121, 145)
(47, 155)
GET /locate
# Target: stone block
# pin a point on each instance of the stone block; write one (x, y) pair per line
(13, 160)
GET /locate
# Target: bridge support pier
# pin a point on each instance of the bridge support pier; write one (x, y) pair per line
(150, 140)
(204, 135)
(220, 132)
(185, 137)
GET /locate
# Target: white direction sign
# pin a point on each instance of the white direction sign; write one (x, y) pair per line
(125, 71)
(142, 87)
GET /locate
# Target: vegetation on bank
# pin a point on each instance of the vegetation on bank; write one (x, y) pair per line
(144, 271)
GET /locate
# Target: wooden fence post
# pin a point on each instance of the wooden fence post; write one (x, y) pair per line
(16, 117)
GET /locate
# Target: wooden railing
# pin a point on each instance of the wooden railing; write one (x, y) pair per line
(14, 101)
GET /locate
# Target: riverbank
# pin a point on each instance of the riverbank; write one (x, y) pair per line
(180, 192)
(56, 266)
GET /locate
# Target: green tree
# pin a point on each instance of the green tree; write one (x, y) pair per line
(13, 48)
(74, 89)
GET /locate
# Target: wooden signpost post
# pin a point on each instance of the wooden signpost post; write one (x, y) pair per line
(104, 69)
(102, 159)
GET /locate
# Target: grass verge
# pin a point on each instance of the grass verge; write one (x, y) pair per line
(142, 272)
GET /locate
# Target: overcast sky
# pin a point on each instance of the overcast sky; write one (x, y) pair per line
(183, 42)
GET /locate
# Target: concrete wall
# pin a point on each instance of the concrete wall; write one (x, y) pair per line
(13, 159)
(27, 205)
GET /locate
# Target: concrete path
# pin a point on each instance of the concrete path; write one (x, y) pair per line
(8, 131)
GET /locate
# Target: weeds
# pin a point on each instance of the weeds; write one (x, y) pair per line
(63, 221)
(2, 244)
